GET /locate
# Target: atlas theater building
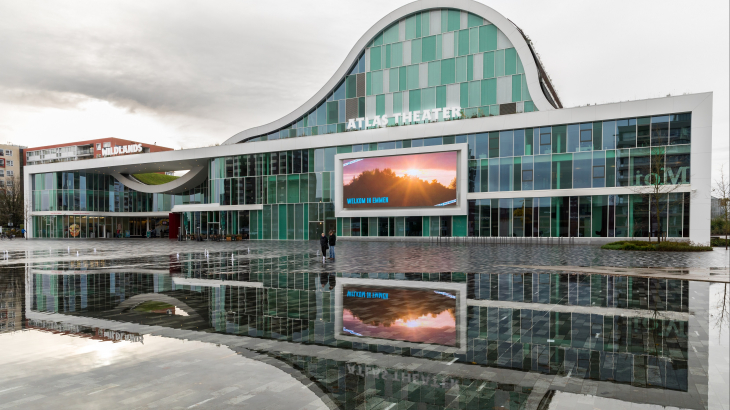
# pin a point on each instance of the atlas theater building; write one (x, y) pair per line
(441, 122)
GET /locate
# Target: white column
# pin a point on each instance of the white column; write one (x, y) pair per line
(701, 172)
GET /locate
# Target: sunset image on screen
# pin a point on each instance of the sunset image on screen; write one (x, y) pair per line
(411, 315)
(415, 180)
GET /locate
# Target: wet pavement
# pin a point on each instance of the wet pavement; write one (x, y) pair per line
(267, 325)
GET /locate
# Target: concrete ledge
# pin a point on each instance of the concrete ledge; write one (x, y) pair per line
(499, 240)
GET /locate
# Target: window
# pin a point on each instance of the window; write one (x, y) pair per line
(526, 176)
(98, 145)
(9, 153)
(2, 162)
(107, 145)
(1, 152)
(10, 173)
(599, 171)
(9, 182)
(10, 163)
(2, 173)
(545, 139)
(586, 135)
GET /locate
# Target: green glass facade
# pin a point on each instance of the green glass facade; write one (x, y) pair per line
(434, 59)
(296, 188)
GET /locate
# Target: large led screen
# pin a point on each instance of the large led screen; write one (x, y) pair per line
(400, 181)
(411, 315)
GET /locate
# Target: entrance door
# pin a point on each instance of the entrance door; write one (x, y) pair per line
(214, 230)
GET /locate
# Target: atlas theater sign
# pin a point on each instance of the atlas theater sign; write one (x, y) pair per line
(124, 149)
(405, 118)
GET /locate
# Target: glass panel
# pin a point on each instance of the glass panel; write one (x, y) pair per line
(562, 169)
(544, 139)
(582, 170)
(519, 142)
(542, 171)
(494, 175)
(483, 175)
(527, 173)
(559, 139)
(573, 138)
(609, 135)
(599, 169)
(680, 129)
(487, 38)
(659, 130)
(506, 173)
(643, 132)
(506, 145)
(626, 130)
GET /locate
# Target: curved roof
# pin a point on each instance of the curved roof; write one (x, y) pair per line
(543, 94)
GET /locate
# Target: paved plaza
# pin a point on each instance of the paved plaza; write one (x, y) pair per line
(165, 324)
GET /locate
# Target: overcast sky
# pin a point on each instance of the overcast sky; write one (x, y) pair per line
(190, 74)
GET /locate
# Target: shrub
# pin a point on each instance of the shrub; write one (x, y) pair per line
(666, 246)
(719, 242)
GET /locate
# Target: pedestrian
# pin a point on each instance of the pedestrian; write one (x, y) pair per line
(22, 231)
(332, 242)
(324, 244)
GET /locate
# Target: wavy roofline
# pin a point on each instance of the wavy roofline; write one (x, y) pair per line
(534, 72)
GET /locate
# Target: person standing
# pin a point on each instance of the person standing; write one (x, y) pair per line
(22, 231)
(323, 243)
(332, 242)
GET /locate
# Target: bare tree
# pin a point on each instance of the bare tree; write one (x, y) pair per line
(654, 189)
(12, 203)
(722, 189)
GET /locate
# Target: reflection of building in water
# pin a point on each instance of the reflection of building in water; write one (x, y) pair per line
(12, 300)
(631, 331)
(95, 333)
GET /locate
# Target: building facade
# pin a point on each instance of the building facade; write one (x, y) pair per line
(11, 165)
(455, 81)
(76, 151)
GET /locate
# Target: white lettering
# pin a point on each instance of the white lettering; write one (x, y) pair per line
(435, 112)
(455, 112)
(416, 116)
(447, 113)
(376, 122)
(384, 120)
(351, 124)
(426, 115)
(359, 122)
(397, 118)
(407, 117)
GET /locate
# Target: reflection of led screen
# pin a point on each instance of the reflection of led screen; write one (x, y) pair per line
(415, 180)
(411, 315)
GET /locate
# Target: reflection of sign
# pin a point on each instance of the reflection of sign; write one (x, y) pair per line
(368, 295)
(96, 333)
(411, 315)
(125, 149)
(74, 230)
(404, 376)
